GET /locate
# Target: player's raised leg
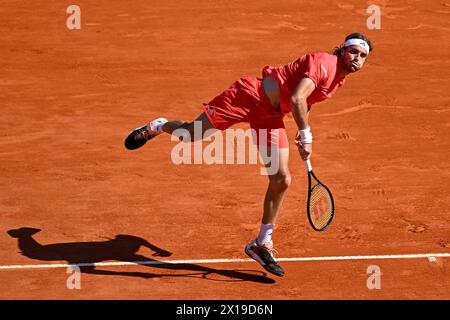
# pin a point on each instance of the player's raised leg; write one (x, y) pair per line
(139, 136)
(185, 131)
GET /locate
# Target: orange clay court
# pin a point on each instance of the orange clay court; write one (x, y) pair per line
(72, 194)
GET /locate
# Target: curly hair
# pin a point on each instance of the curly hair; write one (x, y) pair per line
(337, 51)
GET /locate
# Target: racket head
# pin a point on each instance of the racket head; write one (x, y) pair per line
(320, 204)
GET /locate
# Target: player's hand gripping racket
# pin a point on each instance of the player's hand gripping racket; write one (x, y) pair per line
(320, 204)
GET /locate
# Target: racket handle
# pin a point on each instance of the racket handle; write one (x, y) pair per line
(308, 165)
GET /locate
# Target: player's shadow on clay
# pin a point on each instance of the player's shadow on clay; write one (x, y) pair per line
(122, 248)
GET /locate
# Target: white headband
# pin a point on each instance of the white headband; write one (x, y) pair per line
(358, 42)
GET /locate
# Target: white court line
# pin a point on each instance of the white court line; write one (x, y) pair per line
(207, 261)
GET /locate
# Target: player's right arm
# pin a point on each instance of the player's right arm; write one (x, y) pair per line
(300, 112)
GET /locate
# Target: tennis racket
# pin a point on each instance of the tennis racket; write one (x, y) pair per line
(320, 204)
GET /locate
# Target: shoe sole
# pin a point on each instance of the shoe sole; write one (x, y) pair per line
(132, 144)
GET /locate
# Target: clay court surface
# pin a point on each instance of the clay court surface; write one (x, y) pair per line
(69, 97)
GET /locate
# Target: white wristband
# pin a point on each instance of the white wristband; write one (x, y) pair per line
(305, 135)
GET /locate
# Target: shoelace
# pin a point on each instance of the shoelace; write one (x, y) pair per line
(143, 133)
(269, 246)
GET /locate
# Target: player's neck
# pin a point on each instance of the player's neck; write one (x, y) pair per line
(341, 70)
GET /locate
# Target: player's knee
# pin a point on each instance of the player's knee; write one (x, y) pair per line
(280, 182)
(186, 132)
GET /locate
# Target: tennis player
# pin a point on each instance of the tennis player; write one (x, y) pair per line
(263, 102)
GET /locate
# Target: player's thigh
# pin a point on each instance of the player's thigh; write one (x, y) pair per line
(274, 152)
(196, 130)
(276, 162)
(207, 128)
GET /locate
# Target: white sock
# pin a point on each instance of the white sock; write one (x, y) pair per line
(157, 124)
(265, 233)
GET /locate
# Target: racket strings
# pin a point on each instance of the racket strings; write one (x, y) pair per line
(320, 206)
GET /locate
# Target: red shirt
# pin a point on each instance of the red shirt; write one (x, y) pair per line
(320, 67)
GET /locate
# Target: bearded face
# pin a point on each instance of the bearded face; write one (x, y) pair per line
(353, 58)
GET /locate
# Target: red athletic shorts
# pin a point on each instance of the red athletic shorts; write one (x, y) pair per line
(246, 101)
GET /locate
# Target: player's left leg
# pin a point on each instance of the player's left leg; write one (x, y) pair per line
(279, 182)
(261, 249)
